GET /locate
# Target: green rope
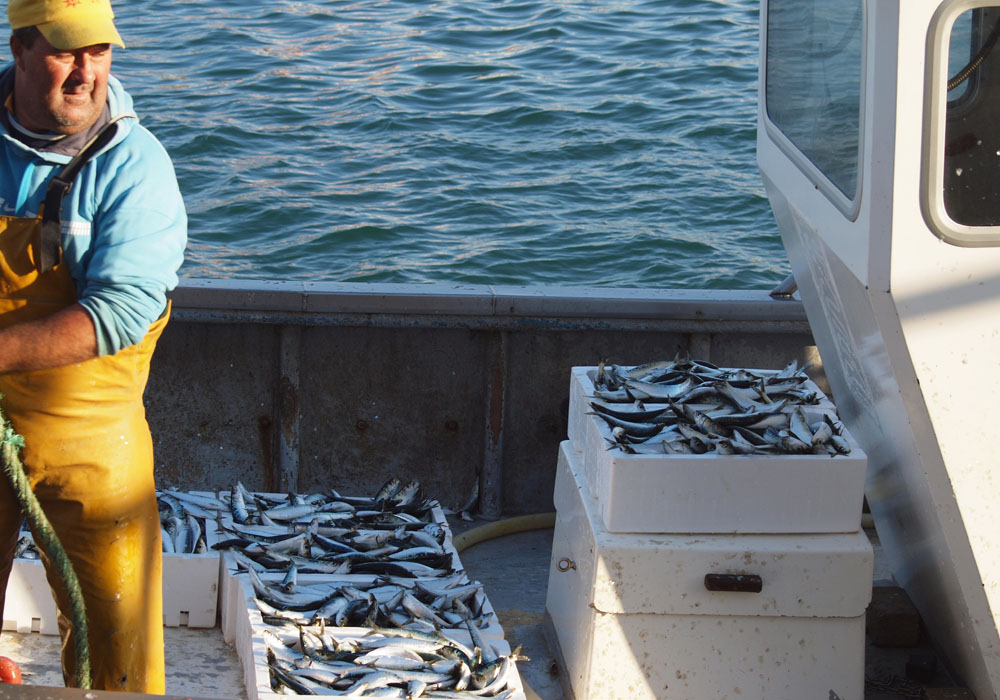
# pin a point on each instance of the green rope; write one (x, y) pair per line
(11, 444)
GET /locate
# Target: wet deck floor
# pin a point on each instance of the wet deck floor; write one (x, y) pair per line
(514, 571)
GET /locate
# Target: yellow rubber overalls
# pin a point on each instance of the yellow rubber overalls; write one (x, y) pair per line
(89, 457)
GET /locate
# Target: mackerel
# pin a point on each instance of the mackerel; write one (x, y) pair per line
(168, 541)
(486, 649)
(418, 609)
(297, 603)
(799, 426)
(290, 512)
(660, 391)
(388, 490)
(237, 505)
(641, 371)
(209, 503)
(637, 416)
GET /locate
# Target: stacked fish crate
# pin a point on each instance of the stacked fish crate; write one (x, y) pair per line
(327, 594)
(28, 606)
(190, 570)
(708, 539)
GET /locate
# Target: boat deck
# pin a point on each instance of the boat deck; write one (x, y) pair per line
(514, 570)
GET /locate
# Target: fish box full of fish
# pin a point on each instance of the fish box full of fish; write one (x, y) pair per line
(367, 662)
(328, 567)
(189, 530)
(190, 570)
(654, 386)
(333, 536)
(698, 466)
(450, 603)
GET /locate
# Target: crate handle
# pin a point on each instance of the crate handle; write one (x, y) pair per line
(737, 583)
(565, 564)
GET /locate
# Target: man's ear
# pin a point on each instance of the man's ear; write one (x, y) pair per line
(17, 51)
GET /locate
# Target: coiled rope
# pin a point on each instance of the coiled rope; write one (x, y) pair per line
(11, 444)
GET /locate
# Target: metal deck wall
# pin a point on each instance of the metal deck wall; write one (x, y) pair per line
(308, 386)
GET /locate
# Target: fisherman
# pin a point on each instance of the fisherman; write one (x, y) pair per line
(92, 233)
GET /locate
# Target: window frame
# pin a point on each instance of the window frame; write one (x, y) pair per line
(849, 205)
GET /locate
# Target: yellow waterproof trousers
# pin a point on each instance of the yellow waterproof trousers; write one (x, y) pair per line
(89, 457)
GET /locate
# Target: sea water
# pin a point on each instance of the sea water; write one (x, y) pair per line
(607, 143)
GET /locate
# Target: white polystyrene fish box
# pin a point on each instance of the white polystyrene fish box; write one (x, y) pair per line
(191, 587)
(29, 606)
(634, 618)
(238, 603)
(252, 651)
(233, 599)
(652, 491)
(190, 594)
(191, 581)
(190, 591)
(713, 493)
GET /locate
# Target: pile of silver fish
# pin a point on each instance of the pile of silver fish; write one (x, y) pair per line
(393, 533)
(298, 552)
(389, 663)
(394, 504)
(419, 604)
(25, 547)
(183, 523)
(692, 407)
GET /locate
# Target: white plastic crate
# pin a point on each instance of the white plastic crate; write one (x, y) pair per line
(635, 620)
(238, 605)
(29, 606)
(190, 594)
(252, 651)
(191, 584)
(232, 599)
(190, 591)
(712, 493)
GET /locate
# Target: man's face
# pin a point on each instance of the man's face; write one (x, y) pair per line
(57, 90)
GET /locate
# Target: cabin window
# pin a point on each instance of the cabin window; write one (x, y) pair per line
(961, 172)
(813, 86)
(971, 148)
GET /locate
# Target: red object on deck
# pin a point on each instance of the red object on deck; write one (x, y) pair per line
(9, 672)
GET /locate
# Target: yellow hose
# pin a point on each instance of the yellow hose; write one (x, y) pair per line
(500, 528)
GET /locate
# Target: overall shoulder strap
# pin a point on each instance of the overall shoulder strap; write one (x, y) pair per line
(49, 248)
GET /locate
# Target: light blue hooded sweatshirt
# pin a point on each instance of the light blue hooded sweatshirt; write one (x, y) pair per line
(124, 227)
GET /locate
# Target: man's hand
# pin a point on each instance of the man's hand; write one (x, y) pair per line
(63, 338)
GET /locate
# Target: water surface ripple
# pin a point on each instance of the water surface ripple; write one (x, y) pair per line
(573, 142)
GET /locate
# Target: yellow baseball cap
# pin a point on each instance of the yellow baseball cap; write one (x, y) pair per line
(67, 24)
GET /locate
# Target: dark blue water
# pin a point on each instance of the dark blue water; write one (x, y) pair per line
(582, 143)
